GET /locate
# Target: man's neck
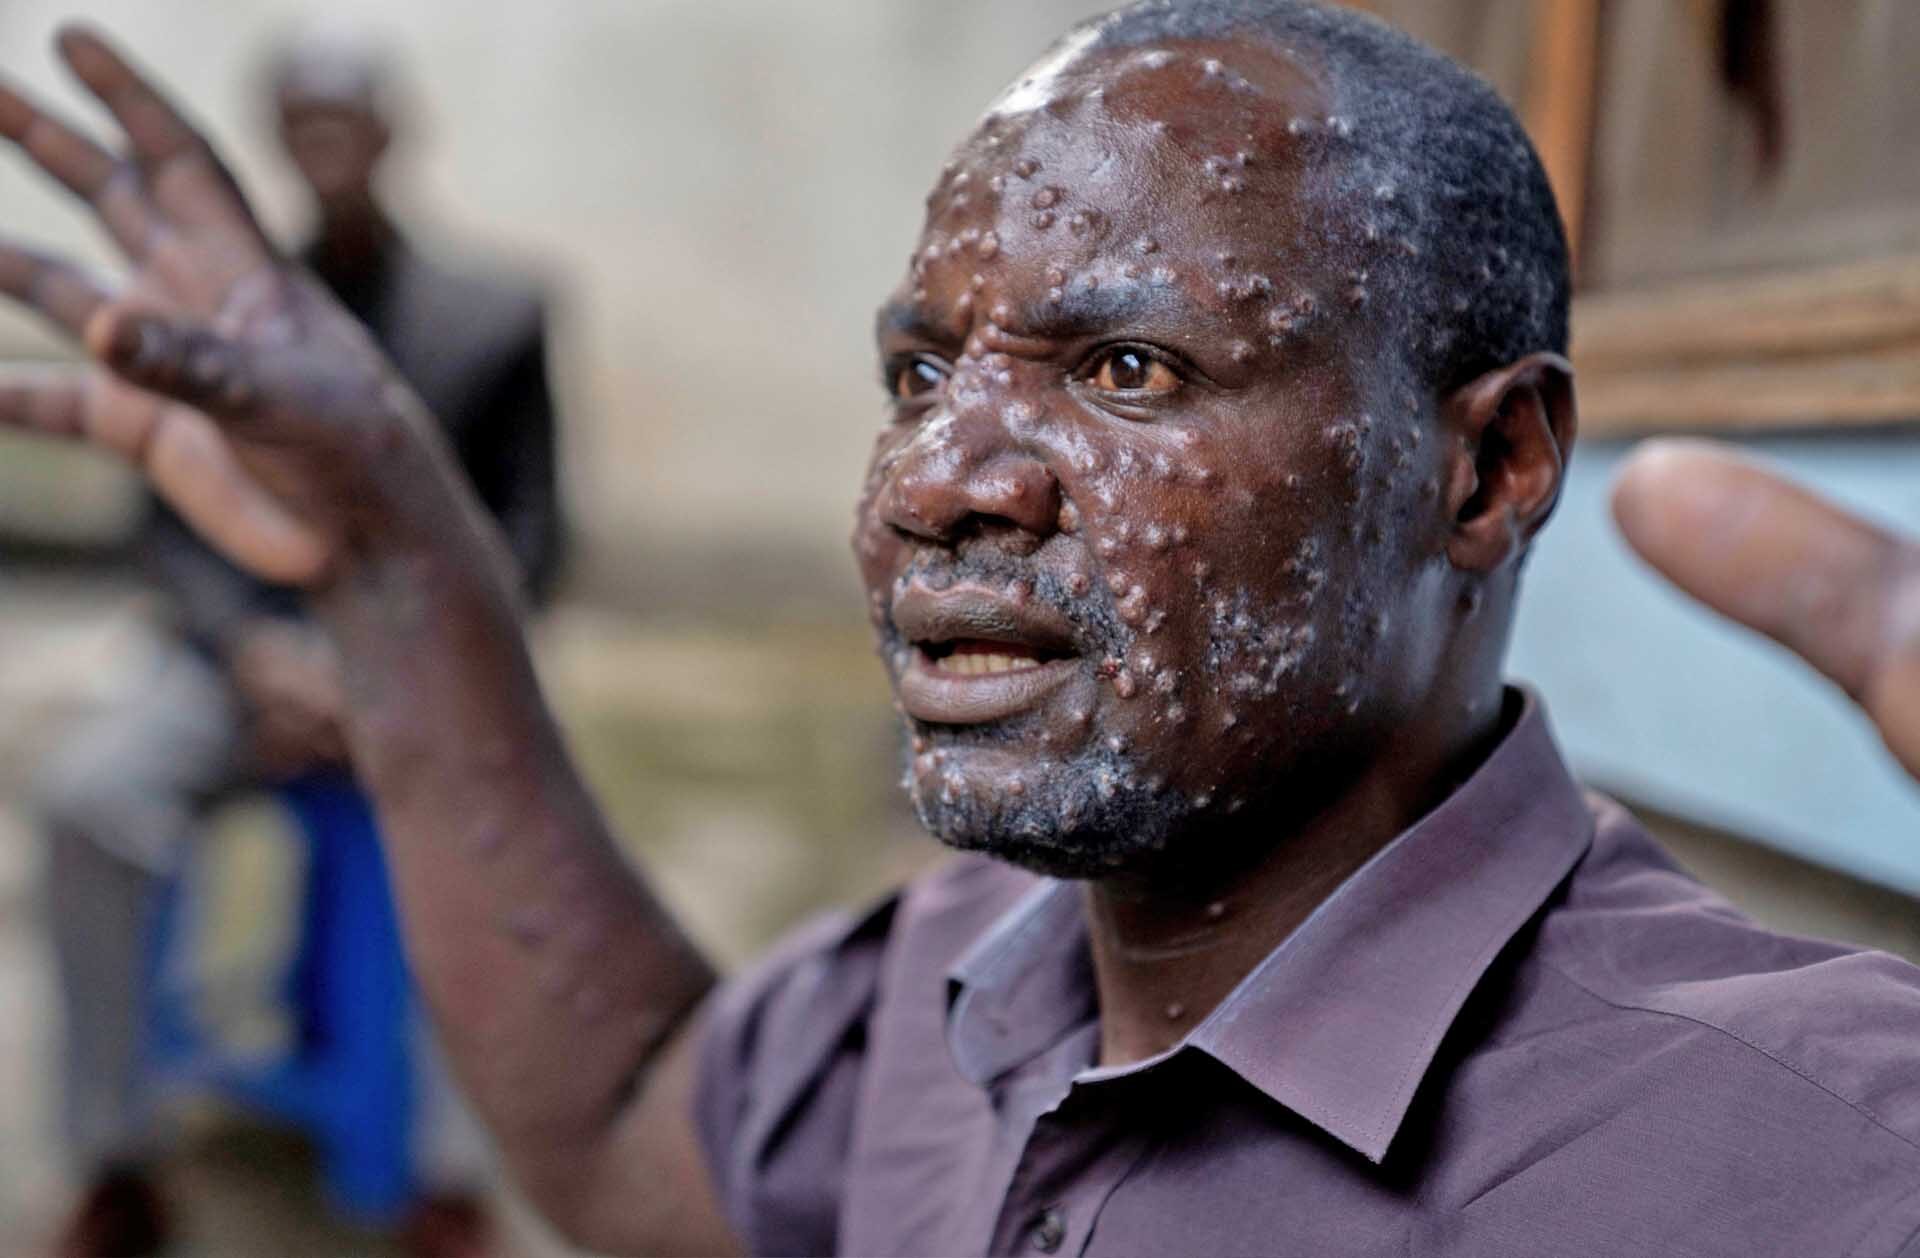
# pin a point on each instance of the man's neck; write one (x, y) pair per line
(351, 241)
(1165, 954)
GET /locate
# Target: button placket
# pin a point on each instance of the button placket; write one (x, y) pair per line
(1032, 1217)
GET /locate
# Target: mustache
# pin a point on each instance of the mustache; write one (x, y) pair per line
(1095, 615)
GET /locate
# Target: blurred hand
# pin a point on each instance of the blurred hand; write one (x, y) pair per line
(251, 401)
(289, 677)
(1756, 548)
(266, 417)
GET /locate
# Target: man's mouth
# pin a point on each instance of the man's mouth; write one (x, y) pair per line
(981, 657)
(978, 655)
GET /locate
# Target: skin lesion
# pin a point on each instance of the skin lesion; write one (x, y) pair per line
(1191, 381)
(1153, 434)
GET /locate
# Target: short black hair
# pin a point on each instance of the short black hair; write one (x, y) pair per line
(1476, 268)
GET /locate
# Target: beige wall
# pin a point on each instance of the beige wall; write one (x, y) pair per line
(725, 188)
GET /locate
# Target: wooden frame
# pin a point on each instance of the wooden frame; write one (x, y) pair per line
(1833, 347)
(1809, 349)
(1559, 110)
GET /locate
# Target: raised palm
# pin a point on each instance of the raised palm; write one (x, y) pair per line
(251, 402)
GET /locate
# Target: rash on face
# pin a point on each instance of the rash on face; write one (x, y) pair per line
(1230, 555)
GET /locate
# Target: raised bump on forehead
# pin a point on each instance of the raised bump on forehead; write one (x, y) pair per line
(1196, 89)
(1096, 158)
(1090, 136)
(1077, 67)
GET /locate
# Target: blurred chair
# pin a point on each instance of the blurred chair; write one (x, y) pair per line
(348, 1078)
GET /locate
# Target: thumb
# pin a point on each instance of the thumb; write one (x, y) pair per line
(175, 358)
(176, 440)
(1838, 591)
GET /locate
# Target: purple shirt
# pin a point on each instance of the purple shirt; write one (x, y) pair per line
(1520, 1030)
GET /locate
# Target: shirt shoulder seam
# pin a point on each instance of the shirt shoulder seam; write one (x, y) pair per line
(1776, 1058)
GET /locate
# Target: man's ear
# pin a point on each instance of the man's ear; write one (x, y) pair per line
(1512, 430)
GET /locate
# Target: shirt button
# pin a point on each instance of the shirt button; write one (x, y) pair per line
(1049, 1230)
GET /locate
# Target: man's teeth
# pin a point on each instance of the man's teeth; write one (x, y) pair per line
(984, 664)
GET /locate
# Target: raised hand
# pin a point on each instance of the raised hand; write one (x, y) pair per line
(1760, 550)
(268, 419)
(252, 403)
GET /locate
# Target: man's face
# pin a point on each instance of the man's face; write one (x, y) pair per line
(1154, 499)
(335, 145)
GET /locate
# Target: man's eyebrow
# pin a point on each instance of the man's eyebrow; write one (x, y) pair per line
(1081, 311)
(1078, 311)
(909, 320)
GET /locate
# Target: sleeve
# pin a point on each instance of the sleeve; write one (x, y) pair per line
(782, 1047)
(513, 460)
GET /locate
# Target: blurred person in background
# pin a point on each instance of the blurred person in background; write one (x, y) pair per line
(249, 690)
(1376, 947)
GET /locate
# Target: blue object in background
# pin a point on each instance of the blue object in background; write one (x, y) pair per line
(349, 1081)
(1657, 700)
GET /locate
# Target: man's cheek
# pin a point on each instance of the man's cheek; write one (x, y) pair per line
(1260, 616)
(876, 551)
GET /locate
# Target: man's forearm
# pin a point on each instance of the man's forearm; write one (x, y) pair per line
(552, 972)
(263, 414)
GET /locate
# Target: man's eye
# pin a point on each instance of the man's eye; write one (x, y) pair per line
(917, 377)
(1133, 371)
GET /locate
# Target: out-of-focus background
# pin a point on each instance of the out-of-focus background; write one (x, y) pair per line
(717, 193)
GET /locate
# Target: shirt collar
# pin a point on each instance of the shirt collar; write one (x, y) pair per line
(1341, 1022)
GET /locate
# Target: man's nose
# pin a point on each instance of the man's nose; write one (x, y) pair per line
(976, 481)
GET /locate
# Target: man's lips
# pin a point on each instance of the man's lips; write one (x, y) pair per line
(978, 655)
(939, 697)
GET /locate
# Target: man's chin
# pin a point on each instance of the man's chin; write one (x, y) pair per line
(1064, 861)
(1078, 822)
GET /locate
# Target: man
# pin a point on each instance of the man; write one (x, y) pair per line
(1229, 393)
(250, 689)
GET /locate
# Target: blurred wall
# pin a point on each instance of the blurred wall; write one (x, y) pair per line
(1683, 186)
(723, 190)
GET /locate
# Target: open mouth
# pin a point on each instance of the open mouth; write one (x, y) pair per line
(978, 655)
(982, 657)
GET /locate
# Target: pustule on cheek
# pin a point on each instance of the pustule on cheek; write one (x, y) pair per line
(1199, 562)
(871, 539)
(1259, 617)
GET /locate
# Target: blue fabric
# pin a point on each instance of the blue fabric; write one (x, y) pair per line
(349, 1080)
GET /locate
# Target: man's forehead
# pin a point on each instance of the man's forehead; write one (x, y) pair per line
(1180, 124)
(1195, 82)
(1112, 167)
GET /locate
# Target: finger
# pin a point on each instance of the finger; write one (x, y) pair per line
(1840, 592)
(58, 291)
(181, 449)
(184, 456)
(109, 185)
(50, 401)
(186, 177)
(1761, 550)
(157, 130)
(177, 359)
